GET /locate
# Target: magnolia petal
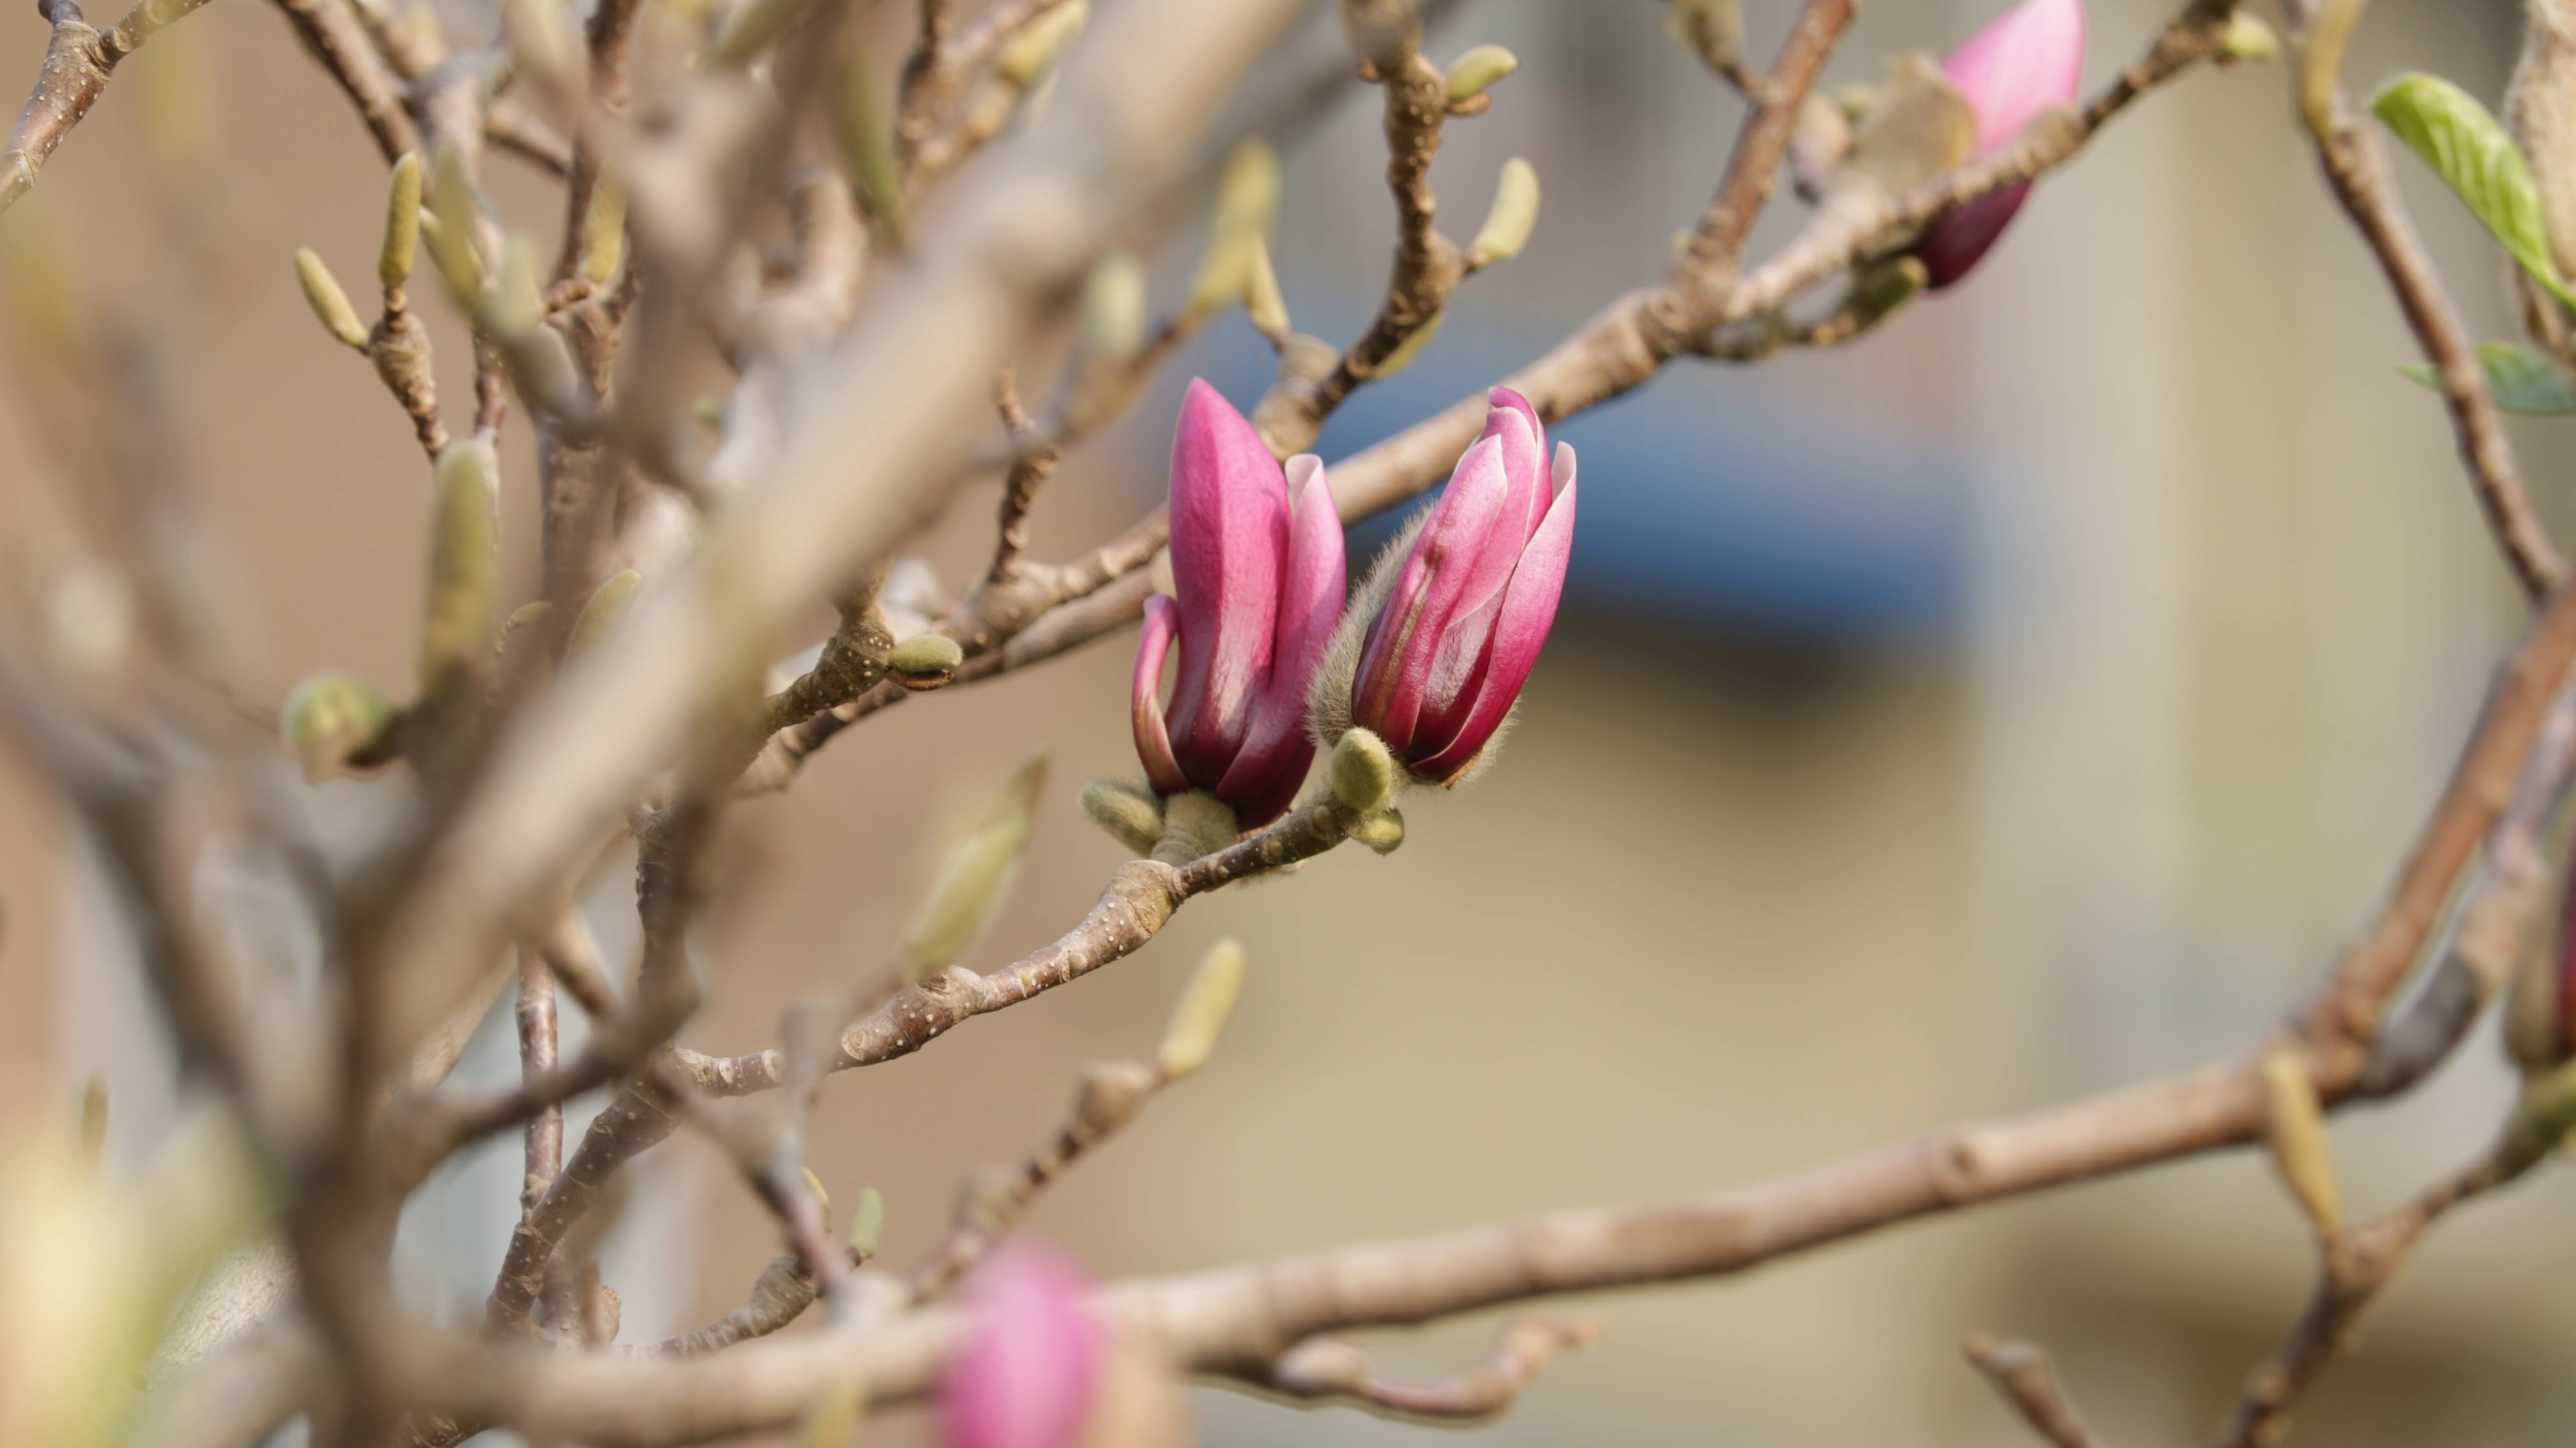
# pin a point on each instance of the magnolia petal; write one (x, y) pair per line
(1520, 630)
(1229, 514)
(1029, 1366)
(1262, 782)
(1511, 418)
(2023, 62)
(1145, 709)
(1453, 554)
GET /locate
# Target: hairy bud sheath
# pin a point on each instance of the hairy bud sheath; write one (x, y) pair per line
(1131, 816)
(606, 608)
(1437, 643)
(2025, 61)
(1257, 576)
(1472, 74)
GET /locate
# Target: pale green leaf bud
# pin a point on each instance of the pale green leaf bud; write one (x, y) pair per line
(1113, 306)
(1262, 301)
(1032, 49)
(973, 877)
(1247, 201)
(515, 306)
(814, 1184)
(1195, 823)
(457, 605)
(1365, 774)
(603, 232)
(402, 223)
(925, 660)
(1408, 349)
(863, 125)
(2248, 38)
(832, 1419)
(2295, 1127)
(867, 1223)
(1205, 1006)
(451, 242)
(1470, 75)
(1512, 217)
(605, 610)
(330, 304)
(334, 720)
(1382, 832)
(1132, 817)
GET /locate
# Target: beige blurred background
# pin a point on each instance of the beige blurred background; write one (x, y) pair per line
(2190, 609)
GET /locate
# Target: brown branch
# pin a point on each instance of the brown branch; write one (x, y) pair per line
(537, 1043)
(331, 30)
(1029, 471)
(2021, 1372)
(1335, 1369)
(2355, 166)
(1753, 171)
(779, 1296)
(78, 61)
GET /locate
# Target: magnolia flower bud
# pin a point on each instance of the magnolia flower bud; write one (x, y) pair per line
(515, 306)
(1436, 644)
(1470, 75)
(2029, 59)
(925, 661)
(867, 1223)
(1195, 823)
(1132, 817)
(1382, 832)
(974, 876)
(1205, 1006)
(1513, 216)
(1027, 1370)
(330, 304)
(451, 243)
(1257, 589)
(335, 720)
(1247, 201)
(457, 605)
(402, 223)
(1110, 1095)
(1033, 48)
(1365, 776)
(605, 610)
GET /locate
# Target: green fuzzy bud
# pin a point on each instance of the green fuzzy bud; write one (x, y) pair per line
(334, 720)
(1382, 832)
(925, 660)
(451, 242)
(1205, 1006)
(541, 363)
(1113, 306)
(330, 304)
(603, 232)
(1194, 824)
(867, 1223)
(1132, 817)
(1247, 201)
(540, 40)
(402, 223)
(515, 307)
(1032, 49)
(2248, 38)
(1262, 302)
(1713, 30)
(605, 610)
(973, 877)
(863, 125)
(1109, 1096)
(1511, 219)
(1470, 75)
(1365, 774)
(457, 605)
(1408, 349)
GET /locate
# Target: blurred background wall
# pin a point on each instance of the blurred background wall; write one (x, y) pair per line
(2024, 700)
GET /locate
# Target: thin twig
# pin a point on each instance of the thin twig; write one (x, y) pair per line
(78, 61)
(2021, 1372)
(1332, 1368)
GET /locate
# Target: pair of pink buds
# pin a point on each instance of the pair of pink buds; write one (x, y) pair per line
(1431, 659)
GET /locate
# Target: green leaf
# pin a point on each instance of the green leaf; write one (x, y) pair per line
(2521, 378)
(2471, 153)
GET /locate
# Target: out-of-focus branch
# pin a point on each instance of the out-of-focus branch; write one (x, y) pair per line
(1326, 1369)
(2356, 169)
(78, 61)
(330, 29)
(2021, 1372)
(537, 1046)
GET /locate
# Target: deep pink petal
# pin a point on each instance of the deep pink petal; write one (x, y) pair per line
(1262, 782)
(1520, 630)
(1454, 551)
(1029, 1365)
(2026, 60)
(1511, 418)
(1145, 707)
(1229, 535)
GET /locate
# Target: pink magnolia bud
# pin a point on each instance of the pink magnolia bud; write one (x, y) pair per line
(1029, 1366)
(2026, 60)
(1456, 611)
(1258, 584)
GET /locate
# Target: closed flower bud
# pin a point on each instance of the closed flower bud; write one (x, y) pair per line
(2026, 61)
(1382, 832)
(2296, 1130)
(330, 304)
(925, 660)
(1437, 643)
(402, 223)
(1257, 589)
(2248, 38)
(867, 1223)
(1131, 816)
(603, 232)
(457, 605)
(1027, 1369)
(1511, 219)
(335, 720)
(1195, 823)
(1470, 75)
(1365, 776)
(1032, 49)
(1205, 1006)
(973, 877)
(606, 608)
(451, 243)
(1110, 1095)
(514, 306)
